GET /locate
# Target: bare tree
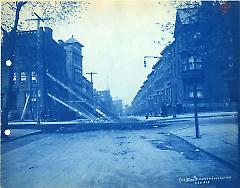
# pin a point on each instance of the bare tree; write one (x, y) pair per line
(13, 19)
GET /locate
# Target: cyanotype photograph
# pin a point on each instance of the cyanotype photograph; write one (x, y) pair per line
(120, 94)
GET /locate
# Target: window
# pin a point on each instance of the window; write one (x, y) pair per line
(196, 35)
(191, 59)
(77, 76)
(198, 64)
(14, 77)
(198, 59)
(184, 66)
(34, 77)
(191, 62)
(191, 94)
(23, 77)
(194, 63)
(199, 94)
(199, 91)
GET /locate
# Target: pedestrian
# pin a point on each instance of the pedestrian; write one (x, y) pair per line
(174, 110)
(146, 116)
(179, 108)
(164, 110)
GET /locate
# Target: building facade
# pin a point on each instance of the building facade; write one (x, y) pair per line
(117, 107)
(74, 68)
(202, 61)
(104, 99)
(36, 54)
(47, 81)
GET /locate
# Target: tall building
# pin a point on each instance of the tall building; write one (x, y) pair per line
(74, 67)
(207, 40)
(202, 60)
(47, 79)
(36, 54)
(74, 60)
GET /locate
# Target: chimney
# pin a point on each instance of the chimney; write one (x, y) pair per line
(48, 31)
(60, 42)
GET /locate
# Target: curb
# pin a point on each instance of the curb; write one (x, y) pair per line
(30, 134)
(188, 118)
(230, 165)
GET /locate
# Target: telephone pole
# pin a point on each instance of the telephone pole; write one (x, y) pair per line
(91, 73)
(38, 20)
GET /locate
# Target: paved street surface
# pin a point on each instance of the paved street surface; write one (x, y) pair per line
(217, 138)
(121, 158)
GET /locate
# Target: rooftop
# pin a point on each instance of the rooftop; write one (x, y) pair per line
(72, 40)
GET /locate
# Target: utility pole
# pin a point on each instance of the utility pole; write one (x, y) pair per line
(38, 19)
(91, 73)
(196, 110)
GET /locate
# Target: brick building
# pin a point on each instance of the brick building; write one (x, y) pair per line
(36, 54)
(203, 59)
(47, 82)
(74, 67)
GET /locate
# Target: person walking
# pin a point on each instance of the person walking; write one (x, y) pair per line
(164, 110)
(174, 110)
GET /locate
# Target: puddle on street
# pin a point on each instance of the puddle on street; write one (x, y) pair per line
(173, 143)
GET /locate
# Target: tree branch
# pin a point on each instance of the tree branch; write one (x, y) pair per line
(13, 8)
(19, 5)
(3, 30)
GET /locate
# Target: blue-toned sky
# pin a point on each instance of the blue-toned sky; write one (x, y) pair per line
(116, 36)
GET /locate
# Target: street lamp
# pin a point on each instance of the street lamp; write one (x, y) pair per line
(145, 62)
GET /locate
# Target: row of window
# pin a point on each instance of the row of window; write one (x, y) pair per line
(192, 63)
(182, 42)
(199, 91)
(77, 76)
(24, 77)
(169, 56)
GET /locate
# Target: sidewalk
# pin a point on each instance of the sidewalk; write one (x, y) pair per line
(19, 133)
(186, 116)
(220, 140)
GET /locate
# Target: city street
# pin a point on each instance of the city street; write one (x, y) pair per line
(120, 94)
(155, 157)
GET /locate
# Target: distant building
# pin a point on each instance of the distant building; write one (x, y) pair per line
(104, 98)
(127, 110)
(202, 59)
(162, 85)
(117, 107)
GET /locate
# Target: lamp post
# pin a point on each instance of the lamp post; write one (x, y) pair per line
(145, 62)
(195, 98)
